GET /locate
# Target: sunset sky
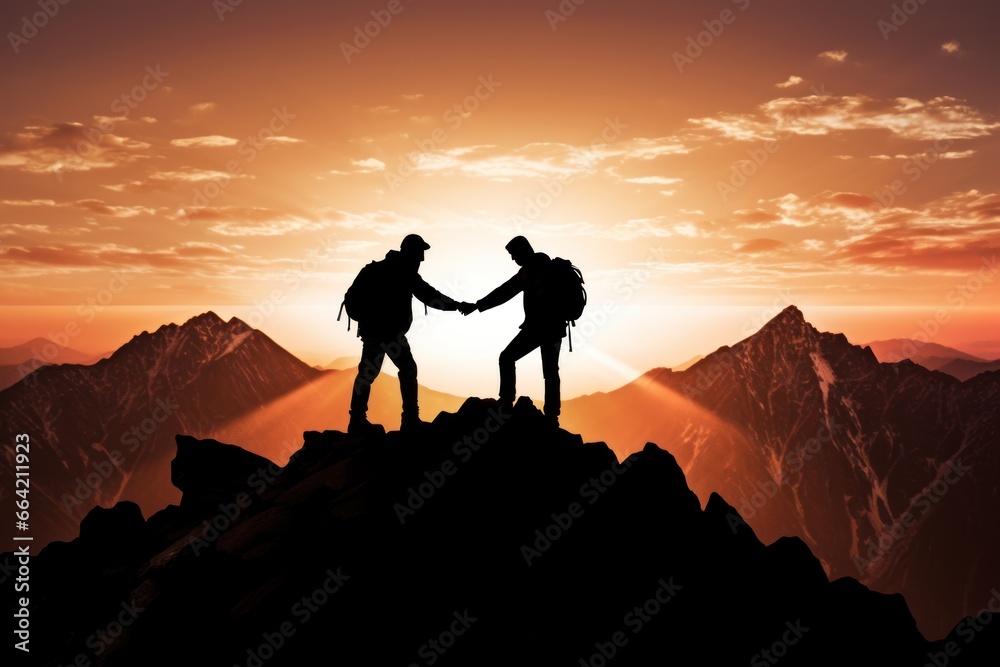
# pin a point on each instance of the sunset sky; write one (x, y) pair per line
(704, 164)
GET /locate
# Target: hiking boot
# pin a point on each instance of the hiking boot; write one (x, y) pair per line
(361, 426)
(411, 423)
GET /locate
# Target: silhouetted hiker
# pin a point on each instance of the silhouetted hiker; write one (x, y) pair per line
(550, 302)
(381, 300)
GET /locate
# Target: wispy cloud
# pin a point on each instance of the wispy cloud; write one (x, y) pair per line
(818, 115)
(202, 107)
(792, 81)
(838, 56)
(210, 141)
(65, 147)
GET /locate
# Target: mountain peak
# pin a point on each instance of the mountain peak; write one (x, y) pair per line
(791, 313)
(208, 317)
(788, 321)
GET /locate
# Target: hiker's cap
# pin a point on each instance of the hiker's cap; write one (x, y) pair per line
(412, 243)
(519, 246)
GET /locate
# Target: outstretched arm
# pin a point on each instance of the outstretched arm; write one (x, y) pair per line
(502, 294)
(432, 297)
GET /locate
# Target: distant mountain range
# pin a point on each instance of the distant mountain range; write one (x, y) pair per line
(19, 361)
(106, 431)
(933, 356)
(487, 538)
(887, 471)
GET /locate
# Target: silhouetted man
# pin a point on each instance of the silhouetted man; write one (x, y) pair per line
(542, 327)
(383, 332)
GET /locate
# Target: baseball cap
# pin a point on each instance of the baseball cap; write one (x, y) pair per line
(413, 242)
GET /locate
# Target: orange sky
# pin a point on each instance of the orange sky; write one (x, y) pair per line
(162, 160)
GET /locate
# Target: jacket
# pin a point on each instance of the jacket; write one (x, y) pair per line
(531, 280)
(399, 283)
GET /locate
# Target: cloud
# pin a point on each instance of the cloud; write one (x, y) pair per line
(193, 175)
(202, 107)
(282, 140)
(947, 155)
(188, 259)
(653, 180)
(754, 218)
(412, 96)
(210, 141)
(200, 249)
(368, 165)
(644, 148)
(66, 147)
(90, 205)
(941, 118)
(249, 220)
(834, 56)
(687, 229)
(29, 202)
(950, 235)
(101, 208)
(545, 160)
(792, 81)
(951, 47)
(278, 227)
(217, 213)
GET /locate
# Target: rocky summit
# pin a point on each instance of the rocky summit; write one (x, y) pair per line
(485, 538)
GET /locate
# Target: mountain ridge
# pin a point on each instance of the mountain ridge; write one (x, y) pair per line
(752, 419)
(364, 550)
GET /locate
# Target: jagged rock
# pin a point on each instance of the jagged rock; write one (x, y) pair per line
(209, 472)
(497, 538)
(113, 526)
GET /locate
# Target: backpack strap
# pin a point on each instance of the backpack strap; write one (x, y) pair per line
(569, 329)
(341, 312)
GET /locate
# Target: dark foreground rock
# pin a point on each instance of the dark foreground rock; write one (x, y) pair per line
(484, 539)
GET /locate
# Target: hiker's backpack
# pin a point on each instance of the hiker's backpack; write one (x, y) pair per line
(361, 300)
(567, 295)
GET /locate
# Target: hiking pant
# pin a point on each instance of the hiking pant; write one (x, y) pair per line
(523, 343)
(373, 353)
